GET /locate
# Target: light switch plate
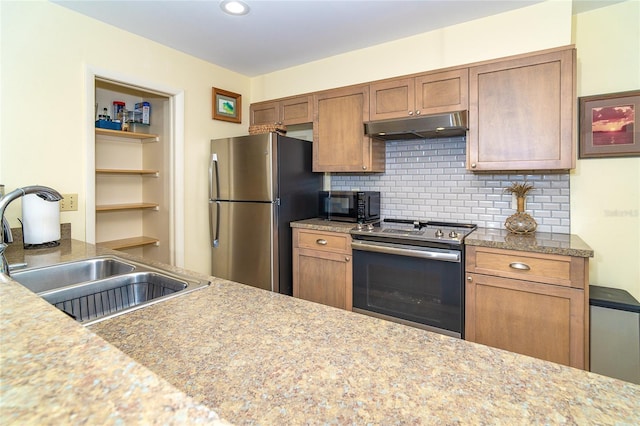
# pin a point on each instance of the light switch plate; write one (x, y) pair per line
(69, 203)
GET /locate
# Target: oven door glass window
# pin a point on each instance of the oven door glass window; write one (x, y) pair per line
(419, 290)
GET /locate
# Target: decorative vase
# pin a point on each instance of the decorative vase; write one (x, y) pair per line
(520, 222)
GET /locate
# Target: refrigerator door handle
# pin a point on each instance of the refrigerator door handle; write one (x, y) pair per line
(213, 173)
(214, 229)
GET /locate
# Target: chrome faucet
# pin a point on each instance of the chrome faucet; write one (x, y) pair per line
(43, 192)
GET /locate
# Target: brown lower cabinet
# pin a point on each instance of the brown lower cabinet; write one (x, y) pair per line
(322, 267)
(530, 303)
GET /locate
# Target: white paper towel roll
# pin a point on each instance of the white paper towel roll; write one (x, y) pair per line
(40, 220)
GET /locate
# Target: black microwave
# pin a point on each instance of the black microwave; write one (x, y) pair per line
(350, 206)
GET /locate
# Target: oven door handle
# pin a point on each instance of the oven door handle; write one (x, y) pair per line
(452, 256)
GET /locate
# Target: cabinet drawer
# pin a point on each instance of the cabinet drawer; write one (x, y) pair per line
(539, 320)
(328, 241)
(544, 268)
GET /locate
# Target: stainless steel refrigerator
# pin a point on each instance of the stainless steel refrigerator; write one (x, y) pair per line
(258, 184)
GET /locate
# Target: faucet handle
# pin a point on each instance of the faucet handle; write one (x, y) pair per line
(6, 228)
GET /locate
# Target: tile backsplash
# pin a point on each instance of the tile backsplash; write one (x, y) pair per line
(427, 179)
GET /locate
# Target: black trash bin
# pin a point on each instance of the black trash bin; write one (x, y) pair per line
(615, 333)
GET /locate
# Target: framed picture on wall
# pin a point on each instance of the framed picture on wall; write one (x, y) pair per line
(227, 106)
(608, 125)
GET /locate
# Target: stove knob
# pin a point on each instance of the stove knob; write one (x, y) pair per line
(439, 233)
(453, 234)
(370, 227)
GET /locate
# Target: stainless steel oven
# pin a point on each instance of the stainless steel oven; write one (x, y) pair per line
(411, 272)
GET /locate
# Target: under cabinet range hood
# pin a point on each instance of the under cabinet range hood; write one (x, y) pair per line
(421, 127)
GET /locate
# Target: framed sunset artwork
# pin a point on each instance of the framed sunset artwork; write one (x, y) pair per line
(608, 126)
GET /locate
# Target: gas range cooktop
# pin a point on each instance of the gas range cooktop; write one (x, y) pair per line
(414, 232)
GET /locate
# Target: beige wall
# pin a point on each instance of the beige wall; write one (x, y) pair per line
(536, 27)
(46, 50)
(605, 199)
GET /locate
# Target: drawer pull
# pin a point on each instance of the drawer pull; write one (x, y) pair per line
(321, 241)
(520, 266)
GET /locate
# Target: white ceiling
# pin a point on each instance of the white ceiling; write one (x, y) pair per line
(278, 34)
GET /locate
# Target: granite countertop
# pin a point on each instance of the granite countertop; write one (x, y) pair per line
(324, 225)
(256, 357)
(538, 242)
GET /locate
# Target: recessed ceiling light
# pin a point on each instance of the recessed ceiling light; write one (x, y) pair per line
(234, 7)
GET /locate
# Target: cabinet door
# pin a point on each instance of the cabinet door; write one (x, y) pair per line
(442, 92)
(323, 277)
(522, 113)
(264, 113)
(432, 93)
(392, 99)
(539, 320)
(339, 142)
(297, 110)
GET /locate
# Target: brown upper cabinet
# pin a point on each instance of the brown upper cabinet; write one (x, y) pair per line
(287, 111)
(521, 109)
(522, 113)
(339, 142)
(430, 93)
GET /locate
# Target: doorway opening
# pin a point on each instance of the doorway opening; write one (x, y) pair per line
(135, 174)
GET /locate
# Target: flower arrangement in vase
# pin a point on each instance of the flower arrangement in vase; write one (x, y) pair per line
(520, 222)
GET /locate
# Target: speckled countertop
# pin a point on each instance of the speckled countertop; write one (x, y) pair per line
(538, 242)
(256, 357)
(324, 225)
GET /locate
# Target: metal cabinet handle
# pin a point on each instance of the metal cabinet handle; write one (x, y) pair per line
(410, 112)
(347, 258)
(469, 278)
(473, 165)
(321, 241)
(418, 112)
(520, 266)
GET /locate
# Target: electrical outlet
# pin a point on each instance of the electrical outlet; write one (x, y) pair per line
(69, 203)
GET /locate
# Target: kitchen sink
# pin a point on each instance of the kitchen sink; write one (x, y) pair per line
(96, 289)
(64, 274)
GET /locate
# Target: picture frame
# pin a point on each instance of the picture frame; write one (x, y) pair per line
(608, 125)
(226, 105)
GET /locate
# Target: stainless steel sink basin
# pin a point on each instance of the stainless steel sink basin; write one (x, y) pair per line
(64, 274)
(95, 300)
(96, 289)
